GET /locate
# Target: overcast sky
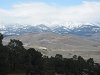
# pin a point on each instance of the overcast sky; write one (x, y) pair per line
(49, 11)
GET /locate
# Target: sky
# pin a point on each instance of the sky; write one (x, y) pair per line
(9, 3)
(49, 12)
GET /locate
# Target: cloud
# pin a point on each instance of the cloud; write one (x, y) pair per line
(42, 13)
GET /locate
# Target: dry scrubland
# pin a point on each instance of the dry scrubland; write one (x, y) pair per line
(67, 45)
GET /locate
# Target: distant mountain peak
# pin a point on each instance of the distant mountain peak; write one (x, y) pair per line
(83, 30)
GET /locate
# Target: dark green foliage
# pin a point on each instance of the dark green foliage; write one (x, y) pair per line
(14, 58)
(34, 60)
(81, 65)
(16, 54)
(90, 66)
(1, 37)
(59, 64)
(4, 66)
(48, 66)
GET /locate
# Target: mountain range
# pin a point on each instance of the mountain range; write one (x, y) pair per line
(82, 40)
(83, 30)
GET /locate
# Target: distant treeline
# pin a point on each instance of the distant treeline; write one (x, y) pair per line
(14, 58)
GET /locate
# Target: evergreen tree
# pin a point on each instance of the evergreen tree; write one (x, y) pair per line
(59, 64)
(34, 61)
(1, 37)
(90, 64)
(48, 66)
(16, 55)
(4, 67)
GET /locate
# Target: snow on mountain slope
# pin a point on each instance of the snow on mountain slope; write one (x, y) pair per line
(83, 30)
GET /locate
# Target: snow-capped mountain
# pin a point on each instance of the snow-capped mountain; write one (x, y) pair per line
(83, 30)
(60, 30)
